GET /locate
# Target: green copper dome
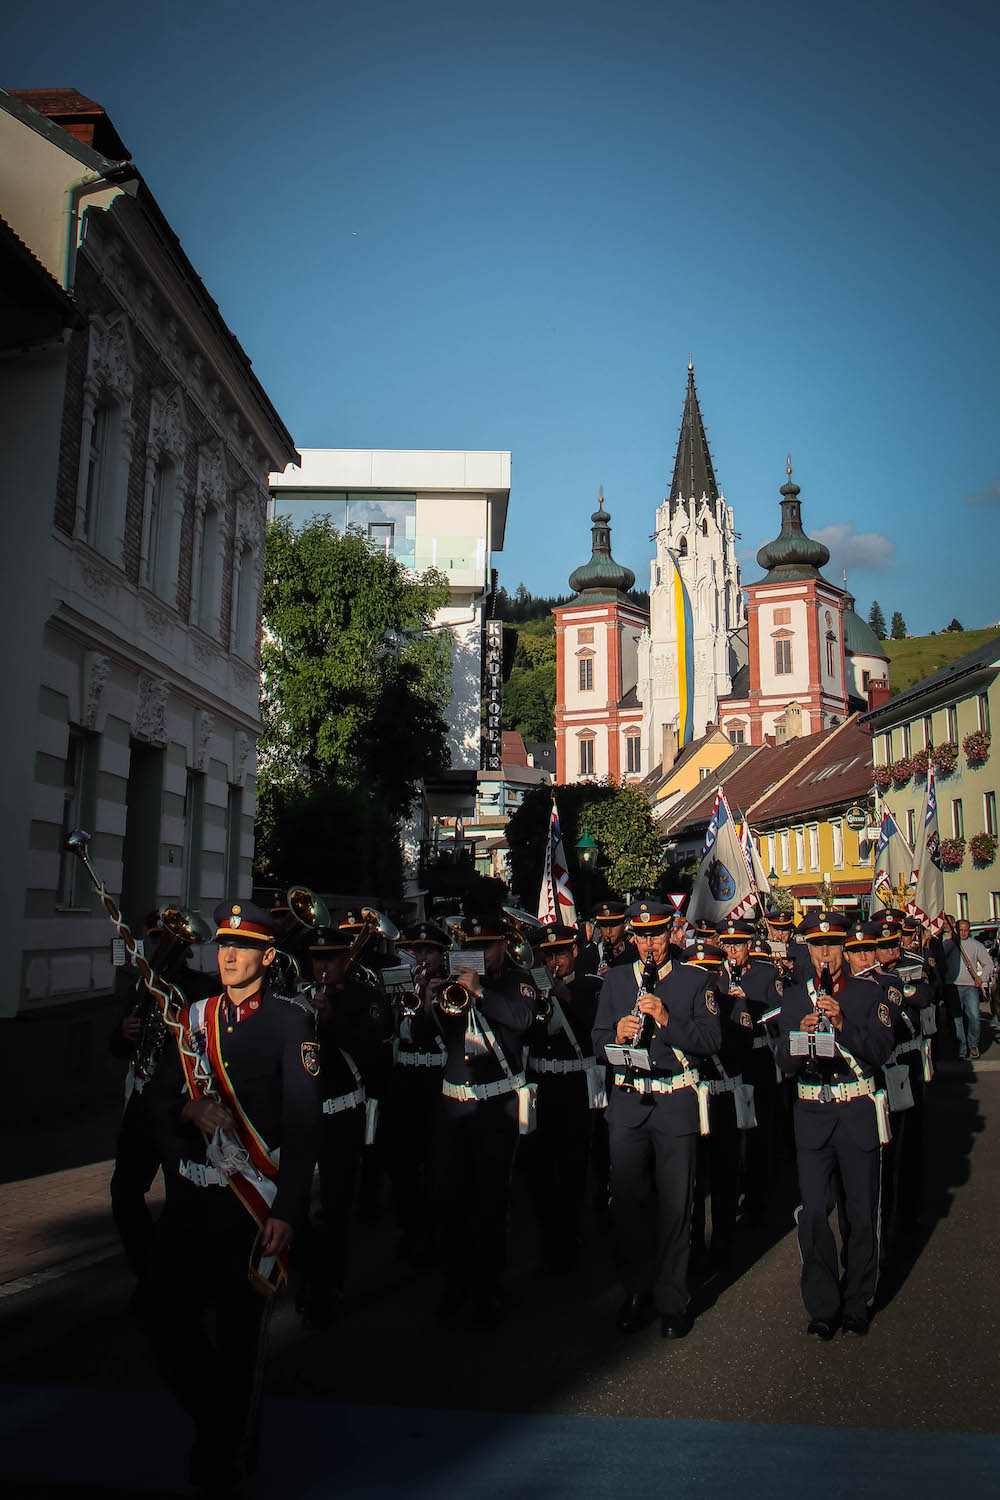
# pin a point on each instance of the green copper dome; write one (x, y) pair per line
(792, 554)
(602, 578)
(859, 638)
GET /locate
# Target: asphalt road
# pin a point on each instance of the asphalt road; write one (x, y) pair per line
(557, 1402)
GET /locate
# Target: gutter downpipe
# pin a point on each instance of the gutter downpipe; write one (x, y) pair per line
(119, 173)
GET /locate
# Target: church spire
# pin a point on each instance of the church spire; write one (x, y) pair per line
(602, 576)
(792, 554)
(694, 475)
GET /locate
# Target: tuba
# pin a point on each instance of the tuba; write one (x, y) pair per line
(376, 925)
(306, 911)
(185, 929)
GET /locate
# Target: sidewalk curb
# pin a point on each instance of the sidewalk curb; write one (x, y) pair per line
(61, 1268)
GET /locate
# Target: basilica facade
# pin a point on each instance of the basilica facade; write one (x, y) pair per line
(783, 656)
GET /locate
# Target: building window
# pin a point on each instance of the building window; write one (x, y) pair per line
(704, 772)
(98, 502)
(911, 827)
(906, 740)
(682, 547)
(887, 749)
(782, 657)
(587, 755)
(813, 831)
(957, 819)
(952, 721)
(737, 736)
(831, 642)
(990, 813)
(785, 862)
(79, 806)
(984, 713)
(866, 678)
(208, 572)
(586, 674)
(704, 528)
(771, 852)
(837, 830)
(963, 906)
(161, 499)
(800, 848)
(782, 617)
(194, 807)
(632, 753)
(995, 905)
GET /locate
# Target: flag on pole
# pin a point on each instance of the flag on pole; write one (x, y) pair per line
(927, 901)
(893, 861)
(684, 626)
(555, 899)
(758, 878)
(722, 887)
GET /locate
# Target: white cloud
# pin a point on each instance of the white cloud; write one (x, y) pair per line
(990, 493)
(857, 551)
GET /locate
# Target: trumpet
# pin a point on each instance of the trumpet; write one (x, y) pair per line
(455, 998)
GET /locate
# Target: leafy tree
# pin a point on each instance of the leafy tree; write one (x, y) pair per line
(898, 630)
(618, 819)
(876, 620)
(354, 687)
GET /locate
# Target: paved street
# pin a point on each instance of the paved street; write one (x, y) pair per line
(557, 1403)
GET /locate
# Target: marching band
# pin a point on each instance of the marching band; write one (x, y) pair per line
(663, 1071)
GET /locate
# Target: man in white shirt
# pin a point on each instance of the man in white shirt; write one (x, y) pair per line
(969, 968)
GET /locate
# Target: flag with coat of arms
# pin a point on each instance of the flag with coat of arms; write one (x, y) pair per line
(555, 899)
(722, 887)
(893, 862)
(927, 901)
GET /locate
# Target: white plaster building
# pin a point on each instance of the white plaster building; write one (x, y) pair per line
(136, 444)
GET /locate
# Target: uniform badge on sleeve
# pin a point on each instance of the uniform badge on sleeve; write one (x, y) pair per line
(895, 997)
(711, 1004)
(745, 1018)
(310, 1058)
(779, 987)
(527, 992)
(884, 1017)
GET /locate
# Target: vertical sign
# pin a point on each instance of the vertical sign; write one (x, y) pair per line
(489, 738)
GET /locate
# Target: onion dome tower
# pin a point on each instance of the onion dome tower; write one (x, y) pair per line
(601, 578)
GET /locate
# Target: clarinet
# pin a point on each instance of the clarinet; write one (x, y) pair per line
(647, 1026)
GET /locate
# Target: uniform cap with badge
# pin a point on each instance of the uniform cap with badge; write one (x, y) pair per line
(424, 934)
(774, 917)
(704, 955)
(329, 940)
(242, 924)
(822, 926)
(555, 935)
(610, 914)
(649, 916)
(735, 930)
(861, 936)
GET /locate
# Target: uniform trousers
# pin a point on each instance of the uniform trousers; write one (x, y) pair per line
(822, 1165)
(409, 1129)
(321, 1261)
(760, 1145)
(652, 1192)
(717, 1180)
(477, 1167)
(137, 1162)
(556, 1157)
(198, 1267)
(903, 1159)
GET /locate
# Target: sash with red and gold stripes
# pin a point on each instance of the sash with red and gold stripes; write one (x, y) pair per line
(253, 1176)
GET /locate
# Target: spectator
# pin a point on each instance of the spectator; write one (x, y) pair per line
(968, 970)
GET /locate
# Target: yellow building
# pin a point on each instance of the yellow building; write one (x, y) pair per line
(697, 762)
(947, 716)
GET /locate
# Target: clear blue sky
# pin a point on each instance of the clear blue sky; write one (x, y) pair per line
(466, 226)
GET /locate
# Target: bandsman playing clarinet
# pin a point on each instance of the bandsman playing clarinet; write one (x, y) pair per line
(616, 945)
(656, 1021)
(242, 1085)
(836, 1031)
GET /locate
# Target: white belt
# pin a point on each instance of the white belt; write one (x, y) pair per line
(761, 1041)
(913, 1045)
(722, 1085)
(559, 1065)
(642, 1085)
(837, 1093)
(344, 1101)
(421, 1059)
(202, 1176)
(479, 1091)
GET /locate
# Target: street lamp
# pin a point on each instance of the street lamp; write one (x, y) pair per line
(587, 854)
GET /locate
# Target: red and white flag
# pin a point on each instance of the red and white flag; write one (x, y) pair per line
(555, 899)
(927, 901)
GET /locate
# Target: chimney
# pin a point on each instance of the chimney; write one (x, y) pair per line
(82, 118)
(668, 747)
(878, 693)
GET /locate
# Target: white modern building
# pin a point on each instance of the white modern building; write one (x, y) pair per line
(429, 509)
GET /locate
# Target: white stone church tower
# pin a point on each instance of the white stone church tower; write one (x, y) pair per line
(696, 641)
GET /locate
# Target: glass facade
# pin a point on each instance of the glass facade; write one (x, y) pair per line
(389, 522)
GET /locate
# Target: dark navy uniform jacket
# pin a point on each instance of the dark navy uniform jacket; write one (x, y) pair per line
(580, 1010)
(272, 1063)
(693, 1025)
(508, 1004)
(867, 1033)
(358, 1020)
(622, 954)
(737, 1018)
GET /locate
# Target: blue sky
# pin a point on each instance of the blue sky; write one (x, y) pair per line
(450, 225)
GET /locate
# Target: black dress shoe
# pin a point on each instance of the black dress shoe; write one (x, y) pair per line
(674, 1327)
(635, 1312)
(856, 1325)
(822, 1330)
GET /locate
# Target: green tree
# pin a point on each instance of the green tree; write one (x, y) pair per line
(898, 629)
(354, 687)
(618, 819)
(876, 620)
(954, 626)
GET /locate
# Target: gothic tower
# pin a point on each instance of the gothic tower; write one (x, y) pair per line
(688, 658)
